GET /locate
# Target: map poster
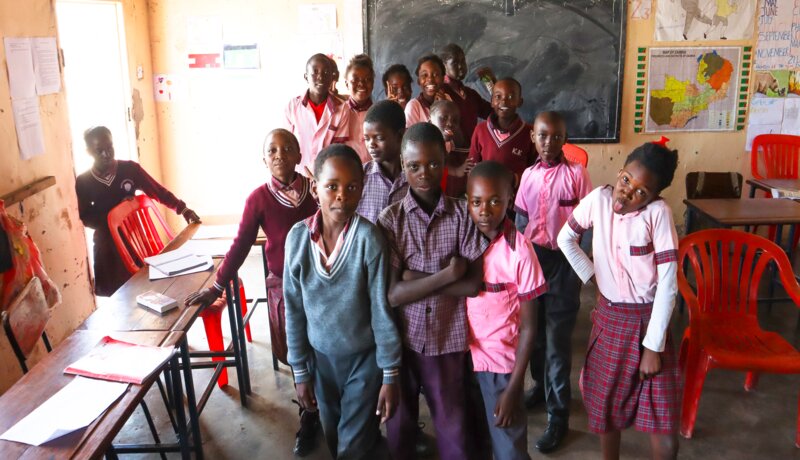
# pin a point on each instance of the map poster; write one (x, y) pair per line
(682, 20)
(692, 89)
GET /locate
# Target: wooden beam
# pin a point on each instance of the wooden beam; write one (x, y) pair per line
(31, 189)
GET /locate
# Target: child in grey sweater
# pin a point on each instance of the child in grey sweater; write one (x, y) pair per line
(339, 327)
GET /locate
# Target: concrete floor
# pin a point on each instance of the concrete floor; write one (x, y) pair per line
(731, 423)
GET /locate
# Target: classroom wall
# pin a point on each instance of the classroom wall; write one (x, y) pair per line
(51, 215)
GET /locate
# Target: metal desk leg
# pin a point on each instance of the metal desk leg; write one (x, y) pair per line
(237, 302)
(180, 415)
(752, 195)
(235, 343)
(269, 318)
(194, 417)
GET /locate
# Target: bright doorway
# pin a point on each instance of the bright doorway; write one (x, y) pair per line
(96, 77)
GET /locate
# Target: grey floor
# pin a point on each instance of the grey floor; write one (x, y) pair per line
(731, 423)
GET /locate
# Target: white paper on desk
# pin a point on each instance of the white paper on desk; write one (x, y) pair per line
(211, 247)
(178, 261)
(120, 361)
(210, 232)
(19, 59)
(72, 408)
(28, 124)
(156, 274)
(46, 66)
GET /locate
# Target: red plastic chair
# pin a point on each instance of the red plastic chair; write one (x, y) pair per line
(779, 154)
(136, 236)
(575, 154)
(723, 327)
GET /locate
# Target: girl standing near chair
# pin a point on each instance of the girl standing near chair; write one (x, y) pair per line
(630, 377)
(99, 190)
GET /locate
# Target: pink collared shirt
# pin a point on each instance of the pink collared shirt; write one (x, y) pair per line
(547, 195)
(357, 116)
(417, 112)
(511, 274)
(315, 225)
(635, 256)
(313, 136)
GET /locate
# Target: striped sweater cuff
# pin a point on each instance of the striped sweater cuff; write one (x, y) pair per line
(219, 288)
(390, 375)
(301, 374)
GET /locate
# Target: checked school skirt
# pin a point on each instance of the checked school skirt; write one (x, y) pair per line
(614, 395)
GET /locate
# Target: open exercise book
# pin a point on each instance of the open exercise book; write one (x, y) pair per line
(181, 261)
(119, 361)
(787, 194)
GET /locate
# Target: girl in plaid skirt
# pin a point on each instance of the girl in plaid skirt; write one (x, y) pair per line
(630, 377)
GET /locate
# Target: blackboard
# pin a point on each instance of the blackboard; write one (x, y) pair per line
(568, 55)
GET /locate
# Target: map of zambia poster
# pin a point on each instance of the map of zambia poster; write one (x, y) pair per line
(692, 89)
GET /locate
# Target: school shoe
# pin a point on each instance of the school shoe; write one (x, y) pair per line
(534, 397)
(306, 438)
(552, 437)
(424, 446)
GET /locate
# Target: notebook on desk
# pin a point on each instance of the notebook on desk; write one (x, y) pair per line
(120, 361)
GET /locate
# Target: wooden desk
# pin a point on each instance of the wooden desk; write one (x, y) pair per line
(47, 378)
(731, 212)
(768, 184)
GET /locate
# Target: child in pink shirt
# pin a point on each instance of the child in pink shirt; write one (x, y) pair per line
(360, 79)
(430, 78)
(316, 119)
(502, 318)
(631, 375)
(548, 192)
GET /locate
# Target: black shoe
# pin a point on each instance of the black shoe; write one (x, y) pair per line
(425, 443)
(552, 437)
(534, 397)
(306, 438)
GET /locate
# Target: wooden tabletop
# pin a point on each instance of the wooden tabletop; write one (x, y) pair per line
(769, 184)
(120, 312)
(47, 377)
(754, 211)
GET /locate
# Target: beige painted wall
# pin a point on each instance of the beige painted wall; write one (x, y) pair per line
(52, 215)
(222, 116)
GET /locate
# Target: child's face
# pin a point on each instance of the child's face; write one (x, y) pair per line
(423, 163)
(282, 156)
(506, 99)
(398, 85)
(339, 185)
(446, 118)
(430, 78)
(319, 76)
(488, 200)
(456, 67)
(549, 137)
(101, 148)
(360, 82)
(636, 188)
(383, 143)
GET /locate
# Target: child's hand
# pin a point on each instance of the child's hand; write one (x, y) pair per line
(203, 298)
(507, 403)
(650, 364)
(305, 396)
(458, 267)
(388, 399)
(191, 216)
(441, 95)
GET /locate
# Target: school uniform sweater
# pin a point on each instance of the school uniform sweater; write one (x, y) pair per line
(513, 147)
(344, 310)
(274, 215)
(470, 104)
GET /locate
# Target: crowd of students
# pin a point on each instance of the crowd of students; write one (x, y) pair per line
(415, 249)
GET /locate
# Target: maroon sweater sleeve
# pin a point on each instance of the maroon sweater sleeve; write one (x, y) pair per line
(248, 231)
(475, 146)
(155, 190)
(484, 107)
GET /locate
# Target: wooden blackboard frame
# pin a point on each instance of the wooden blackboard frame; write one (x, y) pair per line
(616, 118)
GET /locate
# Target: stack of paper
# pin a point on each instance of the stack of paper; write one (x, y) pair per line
(72, 408)
(119, 361)
(788, 194)
(181, 261)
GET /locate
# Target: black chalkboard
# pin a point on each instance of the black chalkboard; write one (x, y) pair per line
(568, 55)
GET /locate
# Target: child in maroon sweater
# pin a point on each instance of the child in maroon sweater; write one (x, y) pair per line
(99, 190)
(470, 104)
(274, 207)
(504, 137)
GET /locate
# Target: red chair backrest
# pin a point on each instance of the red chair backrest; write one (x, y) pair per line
(781, 153)
(575, 154)
(135, 233)
(728, 266)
